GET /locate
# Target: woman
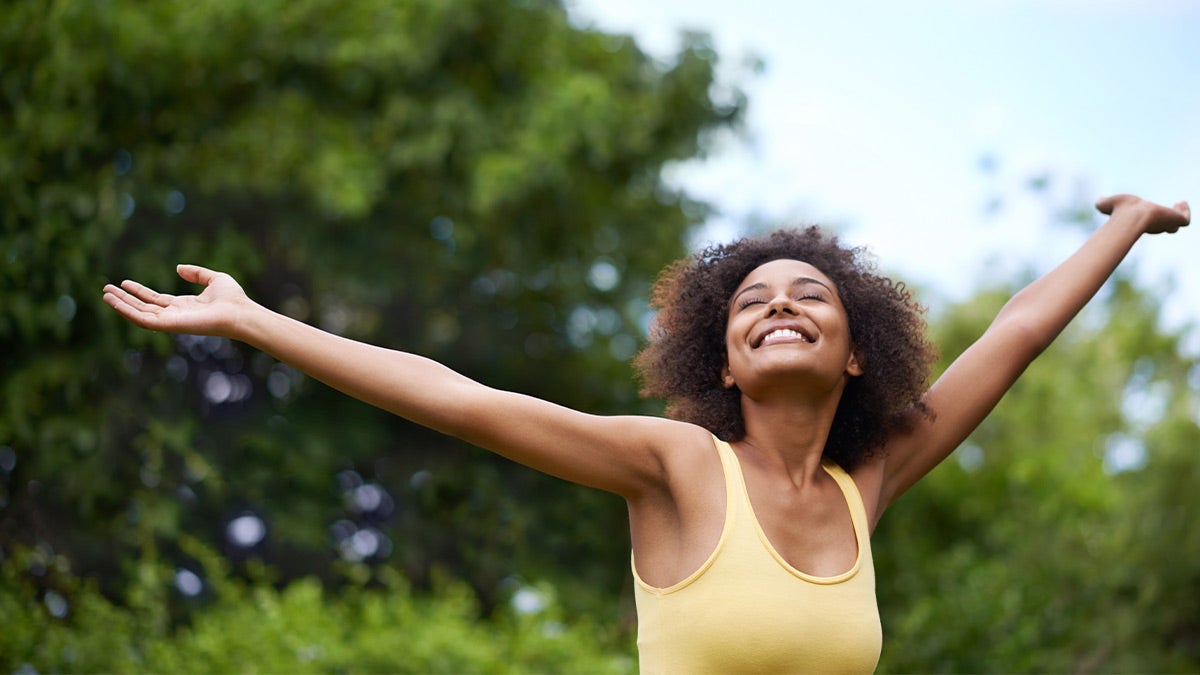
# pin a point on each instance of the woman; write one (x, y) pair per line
(796, 380)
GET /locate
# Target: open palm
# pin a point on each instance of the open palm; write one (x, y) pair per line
(1156, 218)
(214, 312)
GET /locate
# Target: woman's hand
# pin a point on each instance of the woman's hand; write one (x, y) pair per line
(1155, 218)
(216, 311)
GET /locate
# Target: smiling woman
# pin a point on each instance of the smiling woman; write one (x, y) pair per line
(687, 351)
(796, 379)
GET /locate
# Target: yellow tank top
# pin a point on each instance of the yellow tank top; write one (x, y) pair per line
(747, 610)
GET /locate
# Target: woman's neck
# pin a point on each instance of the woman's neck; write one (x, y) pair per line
(788, 433)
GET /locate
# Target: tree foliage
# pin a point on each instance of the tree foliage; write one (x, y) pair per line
(1053, 541)
(475, 181)
(478, 182)
(304, 627)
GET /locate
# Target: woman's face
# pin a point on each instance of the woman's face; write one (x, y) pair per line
(787, 325)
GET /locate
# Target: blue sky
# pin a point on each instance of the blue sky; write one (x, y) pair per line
(874, 117)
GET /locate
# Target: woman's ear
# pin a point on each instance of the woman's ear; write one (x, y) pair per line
(727, 376)
(854, 366)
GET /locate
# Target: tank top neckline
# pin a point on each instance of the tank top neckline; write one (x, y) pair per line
(735, 489)
(850, 495)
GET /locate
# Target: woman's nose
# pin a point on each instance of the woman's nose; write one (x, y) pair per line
(782, 304)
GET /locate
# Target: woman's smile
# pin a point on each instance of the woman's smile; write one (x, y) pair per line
(785, 334)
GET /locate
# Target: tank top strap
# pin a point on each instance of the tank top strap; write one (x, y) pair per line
(854, 500)
(735, 484)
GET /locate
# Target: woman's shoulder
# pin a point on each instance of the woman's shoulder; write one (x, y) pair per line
(683, 449)
(682, 439)
(665, 434)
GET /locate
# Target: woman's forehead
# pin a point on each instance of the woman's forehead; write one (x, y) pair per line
(785, 269)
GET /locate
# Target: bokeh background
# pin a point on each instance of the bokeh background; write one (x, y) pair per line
(495, 184)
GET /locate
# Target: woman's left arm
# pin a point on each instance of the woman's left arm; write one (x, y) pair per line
(974, 383)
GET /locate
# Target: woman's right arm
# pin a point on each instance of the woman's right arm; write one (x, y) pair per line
(619, 454)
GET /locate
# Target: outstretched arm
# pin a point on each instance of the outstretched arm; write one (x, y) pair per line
(1028, 323)
(616, 454)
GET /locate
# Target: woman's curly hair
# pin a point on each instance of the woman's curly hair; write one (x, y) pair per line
(686, 353)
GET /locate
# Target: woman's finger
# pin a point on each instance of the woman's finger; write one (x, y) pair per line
(196, 274)
(145, 294)
(131, 300)
(130, 307)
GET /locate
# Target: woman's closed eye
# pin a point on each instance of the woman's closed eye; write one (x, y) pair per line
(747, 302)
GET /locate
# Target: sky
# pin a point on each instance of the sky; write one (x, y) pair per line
(915, 127)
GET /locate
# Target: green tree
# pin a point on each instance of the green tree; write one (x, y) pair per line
(1055, 539)
(301, 628)
(476, 181)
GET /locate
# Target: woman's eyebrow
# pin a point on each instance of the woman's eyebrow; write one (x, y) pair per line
(805, 281)
(751, 287)
(802, 281)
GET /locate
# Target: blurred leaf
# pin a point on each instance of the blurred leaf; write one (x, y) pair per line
(444, 177)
